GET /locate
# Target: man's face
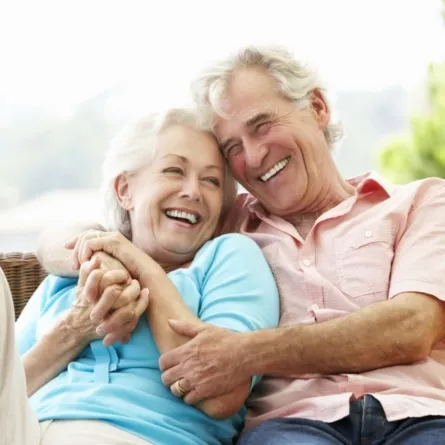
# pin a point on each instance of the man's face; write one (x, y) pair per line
(276, 151)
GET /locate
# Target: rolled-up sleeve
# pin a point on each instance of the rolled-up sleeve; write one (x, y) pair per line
(419, 259)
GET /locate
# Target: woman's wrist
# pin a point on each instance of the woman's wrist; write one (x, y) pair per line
(75, 329)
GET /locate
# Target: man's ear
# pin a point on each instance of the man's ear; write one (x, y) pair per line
(122, 190)
(321, 108)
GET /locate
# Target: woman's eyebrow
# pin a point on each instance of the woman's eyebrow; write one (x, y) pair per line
(182, 158)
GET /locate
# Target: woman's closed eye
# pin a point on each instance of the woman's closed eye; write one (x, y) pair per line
(174, 170)
(214, 181)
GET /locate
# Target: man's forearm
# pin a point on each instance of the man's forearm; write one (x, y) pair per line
(384, 334)
(51, 253)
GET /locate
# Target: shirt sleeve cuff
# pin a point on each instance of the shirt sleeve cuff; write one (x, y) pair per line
(423, 287)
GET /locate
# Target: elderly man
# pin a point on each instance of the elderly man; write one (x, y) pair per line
(359, 263)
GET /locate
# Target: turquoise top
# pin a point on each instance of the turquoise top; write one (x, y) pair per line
(228, 284)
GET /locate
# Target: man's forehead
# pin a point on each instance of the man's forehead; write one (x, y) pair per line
(232, 124)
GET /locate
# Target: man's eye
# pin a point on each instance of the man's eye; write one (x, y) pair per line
(262, 128)
(233, 150)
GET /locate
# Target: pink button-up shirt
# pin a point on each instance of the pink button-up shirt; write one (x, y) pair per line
(383, 241)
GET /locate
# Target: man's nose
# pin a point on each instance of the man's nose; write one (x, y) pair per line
(255, 153)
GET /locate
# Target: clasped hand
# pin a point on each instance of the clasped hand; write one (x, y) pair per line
(109, 302)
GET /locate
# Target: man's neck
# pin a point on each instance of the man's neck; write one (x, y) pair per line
(328, 198)
(304, 222)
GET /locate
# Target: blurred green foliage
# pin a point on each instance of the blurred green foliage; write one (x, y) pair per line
(421, 152)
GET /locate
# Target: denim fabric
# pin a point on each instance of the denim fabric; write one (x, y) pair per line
(365, 425)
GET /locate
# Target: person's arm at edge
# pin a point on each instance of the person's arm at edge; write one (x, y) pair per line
(51, 253)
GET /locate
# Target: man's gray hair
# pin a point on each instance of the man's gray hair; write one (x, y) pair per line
(294, 79)
(133, 149)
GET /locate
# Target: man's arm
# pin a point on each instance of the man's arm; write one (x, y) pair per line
(51, 252)
(395, 332)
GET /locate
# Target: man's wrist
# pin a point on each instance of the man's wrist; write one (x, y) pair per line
(259, 350)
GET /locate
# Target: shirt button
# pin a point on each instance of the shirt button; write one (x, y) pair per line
(368, 233)
(307, 262)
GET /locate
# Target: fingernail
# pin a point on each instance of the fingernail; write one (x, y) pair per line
(101, 331)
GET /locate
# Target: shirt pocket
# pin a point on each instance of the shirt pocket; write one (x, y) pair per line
(363, 261)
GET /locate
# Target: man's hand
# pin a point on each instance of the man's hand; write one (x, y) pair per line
(209, 365)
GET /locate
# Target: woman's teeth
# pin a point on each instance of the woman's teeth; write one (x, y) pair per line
(275, 169)
(189, 217)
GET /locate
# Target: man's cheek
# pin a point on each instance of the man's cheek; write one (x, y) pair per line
(238, 167)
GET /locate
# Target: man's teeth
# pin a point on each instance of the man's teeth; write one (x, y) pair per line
(183, 215)
(275, 169)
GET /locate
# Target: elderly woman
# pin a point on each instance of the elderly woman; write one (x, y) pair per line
(166, 188)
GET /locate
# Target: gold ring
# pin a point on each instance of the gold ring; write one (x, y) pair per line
(179, 389)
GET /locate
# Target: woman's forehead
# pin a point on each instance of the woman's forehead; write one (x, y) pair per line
(187, 145)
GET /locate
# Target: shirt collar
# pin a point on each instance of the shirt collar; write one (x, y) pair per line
(364, 184)
(371, 182)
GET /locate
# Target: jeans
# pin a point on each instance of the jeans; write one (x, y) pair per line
(365, 425)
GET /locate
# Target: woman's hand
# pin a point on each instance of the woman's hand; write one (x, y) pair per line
(117, 308)
(78, 319)
(138, 263)
(85, 319)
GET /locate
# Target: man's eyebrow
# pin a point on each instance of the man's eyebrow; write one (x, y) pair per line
(257, 118)
(249, 123)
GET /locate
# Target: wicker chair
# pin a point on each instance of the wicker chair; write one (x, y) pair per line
(24, 274)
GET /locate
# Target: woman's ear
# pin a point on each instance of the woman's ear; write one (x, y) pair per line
(321, 108)
(122, 190)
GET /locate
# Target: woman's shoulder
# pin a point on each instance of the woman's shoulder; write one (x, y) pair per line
(54, 286)
(228, 252)
(229, 243)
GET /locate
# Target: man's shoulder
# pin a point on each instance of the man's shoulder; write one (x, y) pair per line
(238, 213)
(421, 190)
(415, 191)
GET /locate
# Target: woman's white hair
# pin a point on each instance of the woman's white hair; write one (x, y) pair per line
(294, 79)
(134, 148)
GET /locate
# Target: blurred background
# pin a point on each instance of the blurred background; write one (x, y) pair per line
(73, 72)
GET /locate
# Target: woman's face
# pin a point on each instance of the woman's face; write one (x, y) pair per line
(175, 202)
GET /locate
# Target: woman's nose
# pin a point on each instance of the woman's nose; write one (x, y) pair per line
(191, 190)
